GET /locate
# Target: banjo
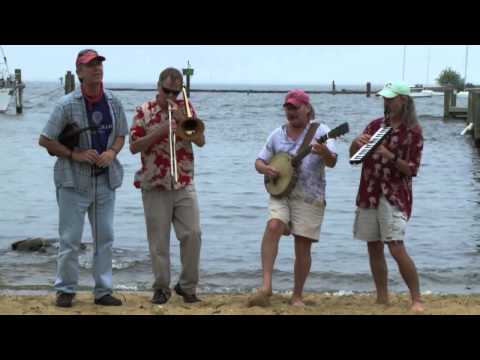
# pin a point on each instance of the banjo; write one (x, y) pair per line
(287, 165)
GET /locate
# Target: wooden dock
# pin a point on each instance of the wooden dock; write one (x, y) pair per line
(471, 113)
(473, 116)
(458, 112)
(450, 108)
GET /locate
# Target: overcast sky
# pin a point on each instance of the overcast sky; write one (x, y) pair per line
(258, 64)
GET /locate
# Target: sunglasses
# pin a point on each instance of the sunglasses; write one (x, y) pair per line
(169, 91)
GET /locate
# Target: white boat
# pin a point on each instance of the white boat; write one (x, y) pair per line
(5, 97)
(7, 83)
(422, 94)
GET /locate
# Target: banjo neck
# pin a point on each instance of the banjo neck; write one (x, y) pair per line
(306, 150)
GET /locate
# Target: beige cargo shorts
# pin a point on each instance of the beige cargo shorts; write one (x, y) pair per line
(385, 223)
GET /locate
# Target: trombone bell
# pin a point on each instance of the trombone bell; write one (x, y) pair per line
(190, 128)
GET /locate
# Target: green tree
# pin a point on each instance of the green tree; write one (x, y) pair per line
(451, 77)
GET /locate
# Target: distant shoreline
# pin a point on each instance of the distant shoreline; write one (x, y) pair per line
(225, 85)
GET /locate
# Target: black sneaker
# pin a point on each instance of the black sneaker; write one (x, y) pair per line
(64, 299)
(108, 300)
(161, 296)
(188, 298)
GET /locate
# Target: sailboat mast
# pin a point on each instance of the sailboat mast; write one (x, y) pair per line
(428, 66)
(5, 60)
(466, 63)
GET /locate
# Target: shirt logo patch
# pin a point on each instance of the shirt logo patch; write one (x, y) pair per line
(97, 117)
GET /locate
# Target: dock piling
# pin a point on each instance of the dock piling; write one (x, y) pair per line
(447, 101)
(19, 86)
(69, 82)
(474, 114)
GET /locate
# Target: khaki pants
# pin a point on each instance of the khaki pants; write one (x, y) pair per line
(180, 207)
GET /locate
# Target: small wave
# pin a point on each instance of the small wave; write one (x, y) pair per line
(126, 287)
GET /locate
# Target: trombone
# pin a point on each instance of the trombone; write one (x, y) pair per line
(173, 144)
(187, 129)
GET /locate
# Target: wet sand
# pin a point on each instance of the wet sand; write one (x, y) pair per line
(138, 303)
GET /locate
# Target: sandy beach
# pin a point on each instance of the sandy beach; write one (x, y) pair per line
(138, 303)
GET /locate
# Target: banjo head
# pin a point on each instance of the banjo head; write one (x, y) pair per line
(283, 183)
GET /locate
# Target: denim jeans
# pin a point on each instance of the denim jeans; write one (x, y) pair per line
(73, 206)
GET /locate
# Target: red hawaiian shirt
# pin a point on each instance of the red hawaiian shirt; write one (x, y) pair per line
(155, 170)
(380, 176)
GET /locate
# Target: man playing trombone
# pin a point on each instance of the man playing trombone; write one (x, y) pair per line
(166, 181)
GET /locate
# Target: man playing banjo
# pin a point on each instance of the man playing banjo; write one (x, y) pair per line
(300, 212)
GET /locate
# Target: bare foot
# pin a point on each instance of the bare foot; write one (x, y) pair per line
(268, 292)
(382, 301)
(260, 298)
(417, 307)
(297, 301)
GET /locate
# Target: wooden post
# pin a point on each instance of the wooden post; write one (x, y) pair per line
(188, 72)
(369, 89)
(69, 82)
(447, 100)
(470, 107)
(475, 108)
(72, 82)
(334, 90)
(19, 90)
(67, 79)
(453, 100)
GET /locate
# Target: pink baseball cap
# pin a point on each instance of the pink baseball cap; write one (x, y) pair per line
(297, 97)
(85, 56)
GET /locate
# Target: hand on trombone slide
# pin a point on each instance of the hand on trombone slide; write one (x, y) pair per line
(178, 114)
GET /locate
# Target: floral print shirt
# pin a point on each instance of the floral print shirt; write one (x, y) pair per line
(155, 171)
(380, 176)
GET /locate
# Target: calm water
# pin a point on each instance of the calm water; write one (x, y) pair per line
(443, 236)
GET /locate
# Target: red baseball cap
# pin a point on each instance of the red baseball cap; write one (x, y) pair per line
(297, 97)
(85, 56)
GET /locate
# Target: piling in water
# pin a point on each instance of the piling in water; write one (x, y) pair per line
(19, 86)
(447, 100)
(69, 82)
(474, 114)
